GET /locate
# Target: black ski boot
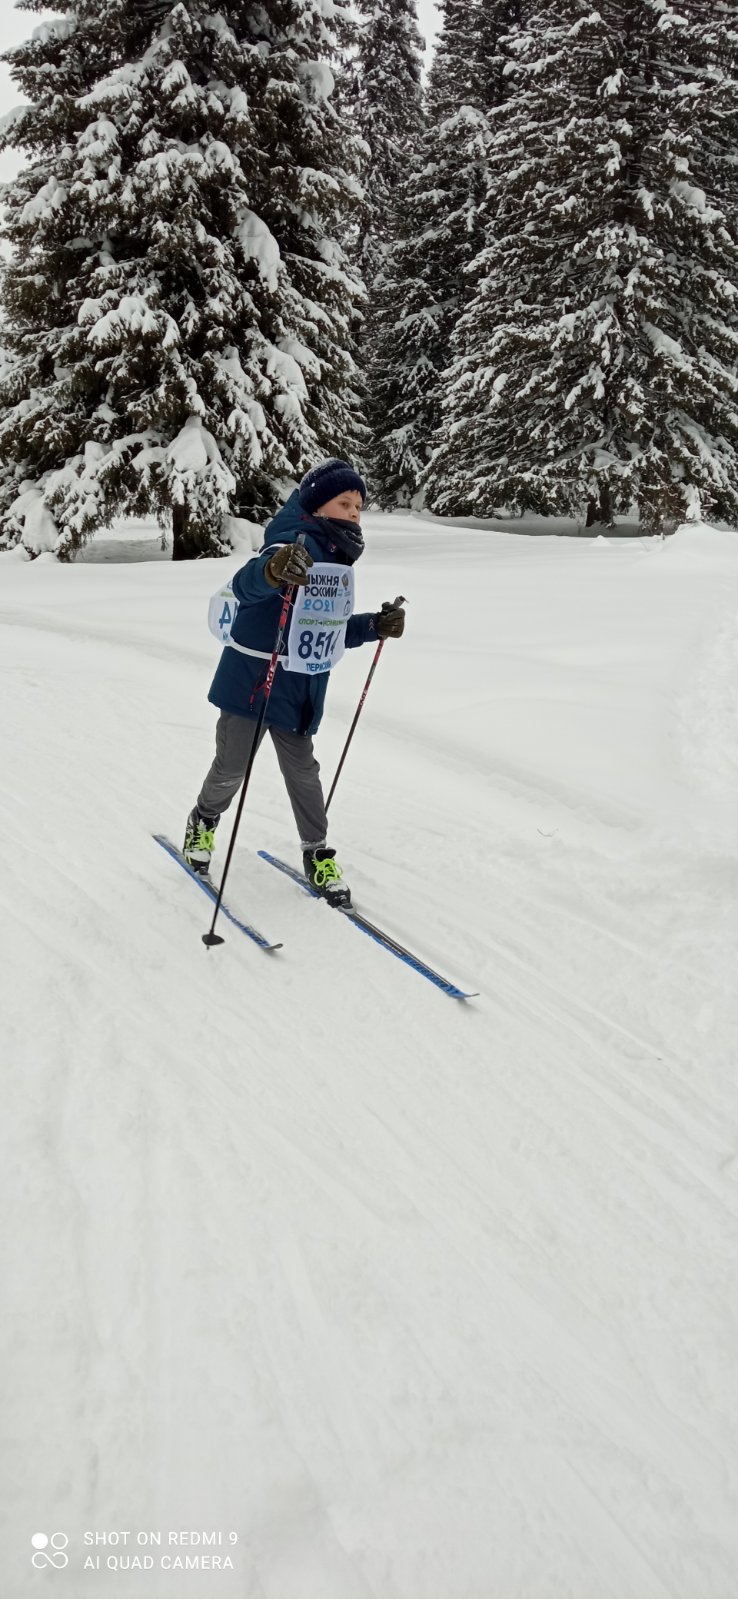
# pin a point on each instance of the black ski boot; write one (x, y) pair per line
(326, 877)
(199, 842)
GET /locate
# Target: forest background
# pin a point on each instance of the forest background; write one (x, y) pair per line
(245, 239)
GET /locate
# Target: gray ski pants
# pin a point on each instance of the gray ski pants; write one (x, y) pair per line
(234, 737)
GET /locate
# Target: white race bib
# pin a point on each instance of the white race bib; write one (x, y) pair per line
(222, 612)
(317, 636)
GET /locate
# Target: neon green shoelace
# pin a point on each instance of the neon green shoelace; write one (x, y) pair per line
(326, 872)
(206, 838)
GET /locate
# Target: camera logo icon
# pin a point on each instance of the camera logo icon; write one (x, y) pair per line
(49, 1551)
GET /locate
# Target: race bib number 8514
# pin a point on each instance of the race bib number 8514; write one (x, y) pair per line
(317, 636)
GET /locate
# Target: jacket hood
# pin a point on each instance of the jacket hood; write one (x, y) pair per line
(344, 539)
(288, 522)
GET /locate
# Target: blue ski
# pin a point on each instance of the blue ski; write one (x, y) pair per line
(376, 933)
(211, 889)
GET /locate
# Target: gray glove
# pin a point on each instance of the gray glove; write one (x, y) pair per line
(290, 564)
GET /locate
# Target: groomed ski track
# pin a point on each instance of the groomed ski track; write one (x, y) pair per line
(425, 1301)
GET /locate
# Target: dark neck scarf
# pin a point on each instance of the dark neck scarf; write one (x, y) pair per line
(345, 538)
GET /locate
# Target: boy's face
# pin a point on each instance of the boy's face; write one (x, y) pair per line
(345, 507)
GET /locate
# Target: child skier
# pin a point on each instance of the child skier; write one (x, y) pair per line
(326, 509)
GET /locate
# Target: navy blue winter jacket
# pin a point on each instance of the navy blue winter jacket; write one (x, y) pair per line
(296, 701)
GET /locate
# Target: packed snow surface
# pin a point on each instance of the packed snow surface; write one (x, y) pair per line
(418, 1299)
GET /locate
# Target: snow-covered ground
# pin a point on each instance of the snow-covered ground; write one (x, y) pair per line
(420, 1300)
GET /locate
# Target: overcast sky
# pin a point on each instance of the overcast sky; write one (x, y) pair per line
(427, 15)
(17, 25)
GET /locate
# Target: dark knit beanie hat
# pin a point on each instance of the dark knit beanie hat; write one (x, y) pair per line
(322, 483)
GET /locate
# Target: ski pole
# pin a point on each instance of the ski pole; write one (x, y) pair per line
(399, 601)
(212, 938)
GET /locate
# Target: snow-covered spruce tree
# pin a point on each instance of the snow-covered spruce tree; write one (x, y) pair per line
(307, 190)
(595, 363)
(521, 346)
(681, 384)
(178, 295)
(421, 288)
(388, 102)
